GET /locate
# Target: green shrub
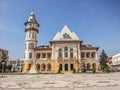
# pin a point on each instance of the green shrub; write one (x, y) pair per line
(59, 71)
(107, 70)
(74, 70)
(93, 70)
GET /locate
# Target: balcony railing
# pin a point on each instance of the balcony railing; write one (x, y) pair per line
(66, 59)
(43, 59)
(88, 57)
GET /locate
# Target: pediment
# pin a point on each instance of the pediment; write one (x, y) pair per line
(66, 34)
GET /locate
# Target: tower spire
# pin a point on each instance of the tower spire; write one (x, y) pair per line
(32, 19)
(32, 13)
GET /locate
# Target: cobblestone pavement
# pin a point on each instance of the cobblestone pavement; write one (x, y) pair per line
(61, 82)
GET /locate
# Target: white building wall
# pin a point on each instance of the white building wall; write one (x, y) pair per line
(56, 47)
(116, 59)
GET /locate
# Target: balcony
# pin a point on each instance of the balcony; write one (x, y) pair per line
(61, 59)
(88, 58)
(43, 59)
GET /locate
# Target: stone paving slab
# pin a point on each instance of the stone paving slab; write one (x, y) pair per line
(109, 81)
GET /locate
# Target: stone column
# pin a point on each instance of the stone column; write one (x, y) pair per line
(63, 55)
(46, 67)
(90, 54)
(68, 67)
(85, 55)
(68, 53)
(63, 67)
(40, 56)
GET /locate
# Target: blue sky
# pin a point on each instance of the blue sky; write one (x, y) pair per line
(94, 21)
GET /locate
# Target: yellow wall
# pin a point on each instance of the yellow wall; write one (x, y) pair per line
(55, 66)
(26, 67)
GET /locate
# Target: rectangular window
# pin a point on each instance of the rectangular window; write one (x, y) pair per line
(66, 54)
(30, 55)
(87, 55)
(93, 55)
(44, 55)
(49, 55)
(60, 55)
(71, 54)
(82, 55)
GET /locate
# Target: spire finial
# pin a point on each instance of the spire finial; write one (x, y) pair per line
(32, 13)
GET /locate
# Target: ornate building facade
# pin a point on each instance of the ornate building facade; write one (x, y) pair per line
(65, 52)
(3, 59)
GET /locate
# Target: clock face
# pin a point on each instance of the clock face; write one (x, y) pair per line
(66, 36)
(30, 24)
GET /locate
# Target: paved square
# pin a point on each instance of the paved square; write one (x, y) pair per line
(109, 81)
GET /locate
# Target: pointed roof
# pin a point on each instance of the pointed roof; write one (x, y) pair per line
(65, 34)
(32, 17)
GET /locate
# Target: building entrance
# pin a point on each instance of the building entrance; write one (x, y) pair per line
(66, 67)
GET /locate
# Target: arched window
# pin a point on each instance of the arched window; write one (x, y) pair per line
(48, 67)
(71, 53)
(66, 67)
(71, 67)
(65, 52)
(60, 67)
(88, 66)
(38, 67)
(43, 67)
(30, 55)
(94, 65)
(60, 53)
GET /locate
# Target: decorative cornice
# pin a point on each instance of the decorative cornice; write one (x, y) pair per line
(31, 22)
(32, 29)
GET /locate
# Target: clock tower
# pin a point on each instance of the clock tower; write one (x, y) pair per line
(31, 30)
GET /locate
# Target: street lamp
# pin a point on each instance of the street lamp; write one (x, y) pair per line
(3, 63)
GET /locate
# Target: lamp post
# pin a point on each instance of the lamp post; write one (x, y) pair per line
(3, 63)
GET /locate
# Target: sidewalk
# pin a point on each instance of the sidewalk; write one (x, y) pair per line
(65, 81)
